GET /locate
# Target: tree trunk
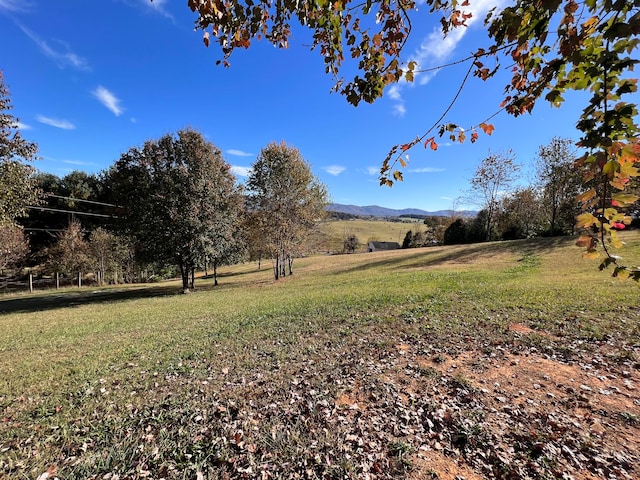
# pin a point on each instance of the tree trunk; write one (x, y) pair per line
(184, 272)
(290, 261)
(276, 267)
(215, 272)
(193, 277)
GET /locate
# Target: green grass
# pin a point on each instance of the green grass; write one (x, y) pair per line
(148, 380)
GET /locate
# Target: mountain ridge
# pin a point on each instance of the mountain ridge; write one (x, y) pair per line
(377, 211)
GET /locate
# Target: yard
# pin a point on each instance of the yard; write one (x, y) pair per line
(498, 360)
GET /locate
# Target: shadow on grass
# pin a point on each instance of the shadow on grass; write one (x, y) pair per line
(84, 296)
(463, 254)
(52, 299)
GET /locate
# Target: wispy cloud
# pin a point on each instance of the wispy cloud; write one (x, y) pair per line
(240, 171)
(54, 122)
(108, 99)
(22, 126)
(159, 6)
(238, 153)
(80, 163)
(399, 109)
(426, 170)
(15, 5)
(446, 198)
(63, 59)
(156, 6)
(373, 171)
(436, 49)
(334, 170)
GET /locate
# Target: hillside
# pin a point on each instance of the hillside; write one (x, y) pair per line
(506, 360)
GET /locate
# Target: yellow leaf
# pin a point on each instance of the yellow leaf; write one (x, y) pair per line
(586, 196)
(590, 255)
(615, 241)
(624, 199)
(586, 220)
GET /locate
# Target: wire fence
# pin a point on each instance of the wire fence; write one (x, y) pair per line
(33, 282)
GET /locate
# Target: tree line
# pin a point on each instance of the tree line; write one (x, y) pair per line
(171, 205)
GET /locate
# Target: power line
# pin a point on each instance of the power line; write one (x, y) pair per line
(80, 200)
(44, 229)
(47, 209)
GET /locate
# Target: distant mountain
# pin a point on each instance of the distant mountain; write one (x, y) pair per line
(376, 211)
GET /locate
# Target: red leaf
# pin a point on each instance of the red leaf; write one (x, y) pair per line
(406, 146)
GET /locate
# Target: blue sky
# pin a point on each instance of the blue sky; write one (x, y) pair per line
(89, 80)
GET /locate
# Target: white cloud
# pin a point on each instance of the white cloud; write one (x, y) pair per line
(156, 6)
(240, 171)
(399, 109)
(436, 49)
(425, 170)
(238, 153)
(108, 99)
(394, 92)
(54, 122)
(373, 170)
(22, 126)
(62, 59)
(334, 169)
(446, 198)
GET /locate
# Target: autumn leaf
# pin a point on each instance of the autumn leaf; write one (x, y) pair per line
(487, 128)
(586, 220)
(623, 199)
(584, 241)
(590, 255)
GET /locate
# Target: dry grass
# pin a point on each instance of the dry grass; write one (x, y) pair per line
(505, 360)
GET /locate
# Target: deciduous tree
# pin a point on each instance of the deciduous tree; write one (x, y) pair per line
(14, 246)
(180, 200)
(560, 184)
(286, 201)
(493, 177)
(70, 254)
(18, 188)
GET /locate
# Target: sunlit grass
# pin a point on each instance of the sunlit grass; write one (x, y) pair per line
(50, 357)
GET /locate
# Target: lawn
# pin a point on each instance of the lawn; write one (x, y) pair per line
(504, 360)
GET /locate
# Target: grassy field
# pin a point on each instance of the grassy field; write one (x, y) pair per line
(379, 230)
(502, 360)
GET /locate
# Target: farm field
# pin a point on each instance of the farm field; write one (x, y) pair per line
(498, 360)
(379, 230)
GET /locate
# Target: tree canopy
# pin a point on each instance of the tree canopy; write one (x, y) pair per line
(285, 201)
(18, 188)
(551, 47)
(180, 200)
